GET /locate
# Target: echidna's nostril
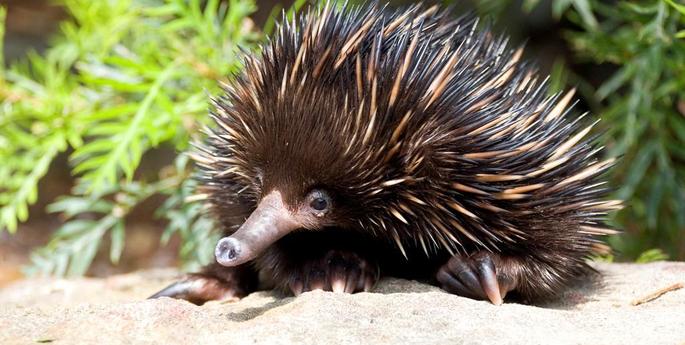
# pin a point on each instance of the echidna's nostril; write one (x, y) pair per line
(227, 251)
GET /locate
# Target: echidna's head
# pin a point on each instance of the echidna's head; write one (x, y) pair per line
(286, 169)
(287, 158)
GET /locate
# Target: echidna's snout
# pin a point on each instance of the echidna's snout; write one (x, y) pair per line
(270, 221)
(227, 251)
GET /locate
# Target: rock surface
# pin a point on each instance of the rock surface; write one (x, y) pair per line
(114, 311)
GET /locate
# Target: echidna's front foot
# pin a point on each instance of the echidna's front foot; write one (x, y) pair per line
(478, 276)
(214, 282)
(337, 271)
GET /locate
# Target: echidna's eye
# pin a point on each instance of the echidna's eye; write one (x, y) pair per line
(319, 204)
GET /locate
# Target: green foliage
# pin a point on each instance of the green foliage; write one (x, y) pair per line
(641, 114)
(651, 256)
(122, 78)
(185, 218)
(74, 245)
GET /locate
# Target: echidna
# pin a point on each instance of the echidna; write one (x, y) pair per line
(365, 142)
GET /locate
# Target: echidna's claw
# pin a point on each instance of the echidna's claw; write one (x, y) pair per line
(488, 279)
(317, 279)
(213, 283)
(296, 286)
(474, 277)
(198, 290)
(338, 271)
(175, 290)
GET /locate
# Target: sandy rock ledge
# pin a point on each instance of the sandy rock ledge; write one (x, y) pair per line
(114, 311)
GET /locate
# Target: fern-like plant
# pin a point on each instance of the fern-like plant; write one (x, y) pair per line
(123, 78)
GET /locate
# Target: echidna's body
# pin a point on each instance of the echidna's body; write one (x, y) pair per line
(366, 141)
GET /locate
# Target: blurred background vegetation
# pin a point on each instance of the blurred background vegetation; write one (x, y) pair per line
(98, 98)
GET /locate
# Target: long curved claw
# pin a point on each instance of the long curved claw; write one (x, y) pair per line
(198, 290)
(337, 271)
(178, 289)
(475, 277)
(317, 279)
(296, 286)
(488, 279)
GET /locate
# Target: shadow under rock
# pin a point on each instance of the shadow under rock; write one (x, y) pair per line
(248, 314)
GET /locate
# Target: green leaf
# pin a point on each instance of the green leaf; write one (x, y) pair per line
(654, 201)
(619, 79)
(529, 5)
(560, 6)
(73, 229)
(585, 10)
(652, 255)
(558, 77)
(680, 8)
(17, 208)
(640, 8)
(120, 156)
(86, 252)
(638, 168)
(117, 242)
